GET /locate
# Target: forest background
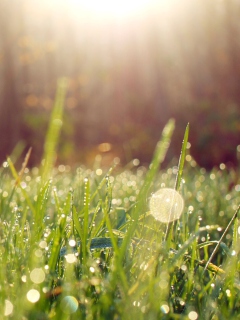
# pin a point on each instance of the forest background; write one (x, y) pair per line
(127, 75)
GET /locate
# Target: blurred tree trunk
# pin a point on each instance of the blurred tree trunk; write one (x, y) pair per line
(10, 112)
(232, 10)
(10, 109)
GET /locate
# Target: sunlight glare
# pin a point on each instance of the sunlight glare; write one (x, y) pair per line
(120, 8)
(104, 10)
(115, 7)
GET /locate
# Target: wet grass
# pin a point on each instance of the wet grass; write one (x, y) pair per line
(79, 243)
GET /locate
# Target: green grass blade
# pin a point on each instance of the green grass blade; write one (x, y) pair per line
(41, 209)
(25, 195)
(77, 224)
(223, 235)
(52, 136)
(57, 203)
(158, 158)
(101, 184)
(84, 248)
(182, 159)
(92, 222)
(59, 235)
(17, 151)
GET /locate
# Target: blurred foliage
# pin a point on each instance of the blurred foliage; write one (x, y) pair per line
(127, 77)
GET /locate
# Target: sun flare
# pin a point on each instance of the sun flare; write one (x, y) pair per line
(114, 7)
(109, 9)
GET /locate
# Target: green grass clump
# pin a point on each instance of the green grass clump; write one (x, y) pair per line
(82, 244)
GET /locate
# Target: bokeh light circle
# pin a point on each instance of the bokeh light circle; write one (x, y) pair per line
(166, 205)
(69, 304)
(33, 295)
(37, 275)
(8, 308)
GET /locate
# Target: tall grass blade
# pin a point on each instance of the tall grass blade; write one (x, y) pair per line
(17, 151)
(170, 227)
(59, 234)
(158, 158)
(41, 208)
(24, 165)
(76, 223)
(84, 248)
(182, 159)
(223, 235)
(52, 136)
(25, 195)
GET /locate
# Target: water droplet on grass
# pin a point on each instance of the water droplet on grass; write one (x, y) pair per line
(70, 258)
(72, 243)
(5, 164)
(33, 295)
(164, 308)
(193, 315)
(92, 269)
(228, 292)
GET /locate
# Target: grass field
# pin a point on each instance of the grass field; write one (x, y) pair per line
(79, 243)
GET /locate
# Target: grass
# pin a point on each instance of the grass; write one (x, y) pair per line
(81, 244)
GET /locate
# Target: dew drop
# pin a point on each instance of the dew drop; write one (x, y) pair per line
(5, 164)
(184, 267)
(33, 295)
(165, 308)
(72, 243)
(136, 303)
(92, 269)
(193, 315)
(70, 258)
(228, 292)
